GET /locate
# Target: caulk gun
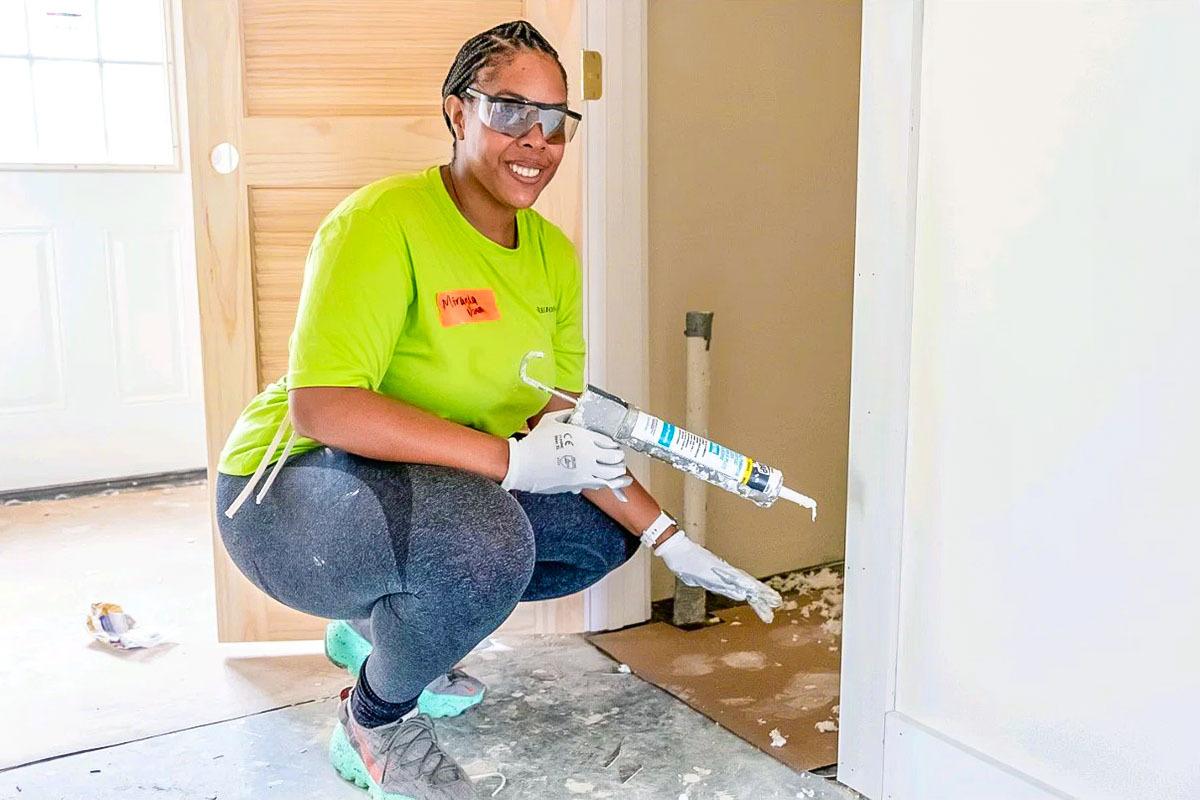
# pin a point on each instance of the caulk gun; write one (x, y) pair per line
(601, 412)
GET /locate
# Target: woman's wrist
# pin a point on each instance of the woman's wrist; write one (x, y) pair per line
(497, 459)
(667, 534)
(658, 530)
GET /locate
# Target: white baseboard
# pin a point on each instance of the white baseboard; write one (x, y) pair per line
(921, 764)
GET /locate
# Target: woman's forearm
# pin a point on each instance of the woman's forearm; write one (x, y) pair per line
(369, 424)
(634, 516)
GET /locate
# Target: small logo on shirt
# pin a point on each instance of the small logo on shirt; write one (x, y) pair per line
(467, 305)
(547, 309)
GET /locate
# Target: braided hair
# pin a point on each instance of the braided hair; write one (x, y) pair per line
(488, 49)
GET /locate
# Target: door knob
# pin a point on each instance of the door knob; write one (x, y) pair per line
(224, 158)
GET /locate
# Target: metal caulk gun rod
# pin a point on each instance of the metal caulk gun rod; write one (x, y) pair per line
(535, 383)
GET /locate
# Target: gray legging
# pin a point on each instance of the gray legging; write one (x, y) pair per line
(436, 558)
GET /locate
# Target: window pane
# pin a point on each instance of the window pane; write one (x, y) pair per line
(137, 110)
(62, 28)
(131, 30)
(13, 41)
(18, 141)
(70, 122)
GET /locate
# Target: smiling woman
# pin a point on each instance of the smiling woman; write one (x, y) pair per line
(507, 106)
(405, 502)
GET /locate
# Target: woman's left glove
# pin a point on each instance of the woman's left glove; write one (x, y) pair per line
(696, 566)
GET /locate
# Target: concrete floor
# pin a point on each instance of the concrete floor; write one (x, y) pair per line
(556, 714)
(203, 721)
(150, 551)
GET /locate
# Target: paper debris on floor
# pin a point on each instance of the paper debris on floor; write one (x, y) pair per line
(109, 623)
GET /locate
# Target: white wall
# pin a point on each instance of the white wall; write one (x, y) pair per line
(1049, 591)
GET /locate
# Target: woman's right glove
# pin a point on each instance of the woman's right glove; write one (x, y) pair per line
(559, 457)
(697, 566)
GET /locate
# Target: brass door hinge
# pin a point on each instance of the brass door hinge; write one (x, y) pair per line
(593, 75)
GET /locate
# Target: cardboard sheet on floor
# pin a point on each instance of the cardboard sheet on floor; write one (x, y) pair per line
(749, 677)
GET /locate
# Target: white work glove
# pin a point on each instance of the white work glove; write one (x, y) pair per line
(696, 566)
(559, 457)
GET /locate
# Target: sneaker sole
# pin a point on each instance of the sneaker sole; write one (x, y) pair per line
(440, 706)
(345, 648)
(349, 765)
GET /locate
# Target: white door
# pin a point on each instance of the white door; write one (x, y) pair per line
(1021, 592)
(99, 329)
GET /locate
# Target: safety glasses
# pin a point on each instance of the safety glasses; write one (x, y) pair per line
(516, 118)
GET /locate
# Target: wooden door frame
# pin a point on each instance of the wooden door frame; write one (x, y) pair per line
(885, 249)
(616, 260)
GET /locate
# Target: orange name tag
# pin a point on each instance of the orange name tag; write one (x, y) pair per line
(467, 305)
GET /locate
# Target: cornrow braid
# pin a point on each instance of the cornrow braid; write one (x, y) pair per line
(487, 49)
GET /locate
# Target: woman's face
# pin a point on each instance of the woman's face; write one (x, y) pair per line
(490, 156)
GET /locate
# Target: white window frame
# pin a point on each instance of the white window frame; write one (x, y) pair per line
(176, 164)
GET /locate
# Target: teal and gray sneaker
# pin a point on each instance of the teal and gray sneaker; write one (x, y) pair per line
(397, 761)
(346, 647)
(446, 696)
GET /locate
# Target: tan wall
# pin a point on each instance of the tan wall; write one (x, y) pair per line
(753, 138)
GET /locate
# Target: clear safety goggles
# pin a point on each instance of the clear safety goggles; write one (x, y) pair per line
(516, 118)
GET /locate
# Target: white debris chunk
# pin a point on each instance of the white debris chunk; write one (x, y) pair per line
(826, 726)
(814, 580)
(777, 738)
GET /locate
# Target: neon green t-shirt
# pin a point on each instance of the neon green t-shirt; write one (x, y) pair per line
(402, 295)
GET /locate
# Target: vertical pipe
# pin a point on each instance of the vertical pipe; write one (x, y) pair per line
(690, 602)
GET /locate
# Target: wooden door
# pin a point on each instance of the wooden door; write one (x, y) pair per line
(319, 98)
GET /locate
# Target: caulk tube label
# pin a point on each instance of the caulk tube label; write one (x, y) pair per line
(650, 429)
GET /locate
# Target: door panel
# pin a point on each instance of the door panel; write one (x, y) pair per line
(360, 58)
(334, 94)
(99, 344)
(282, 222)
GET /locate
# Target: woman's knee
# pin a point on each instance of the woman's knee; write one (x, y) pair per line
(484, 548)
(501, 547)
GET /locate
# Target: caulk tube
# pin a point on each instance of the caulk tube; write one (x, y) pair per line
(606, 413)
(601, 412)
